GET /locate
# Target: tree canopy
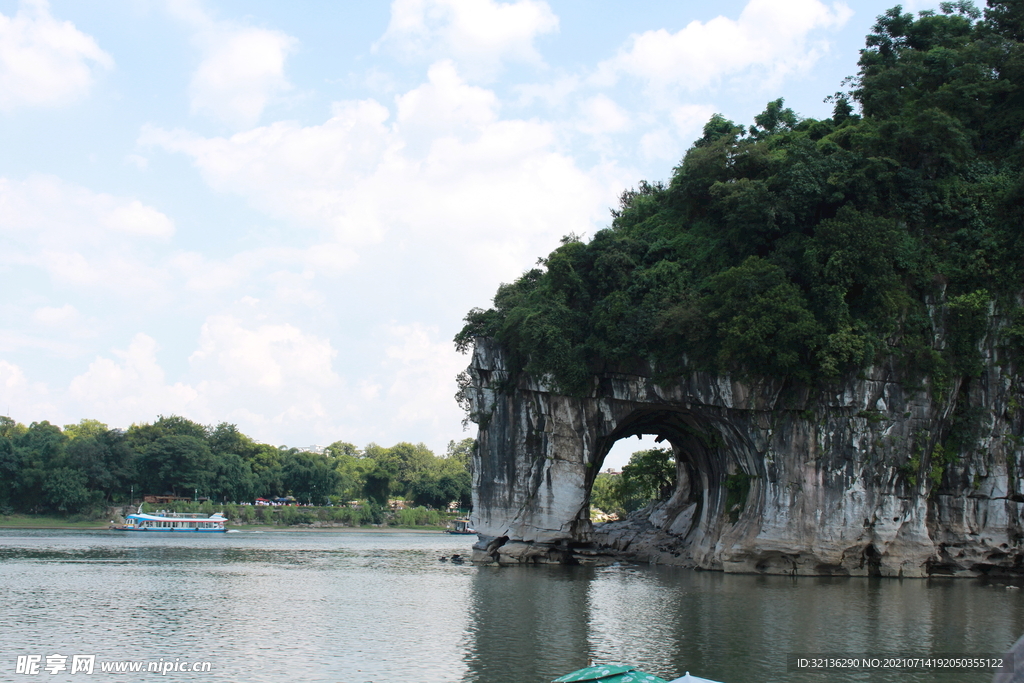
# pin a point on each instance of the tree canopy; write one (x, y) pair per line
(649, 476)
(86, 466)
(807, 248)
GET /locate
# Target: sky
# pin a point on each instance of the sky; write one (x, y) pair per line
(277, 214)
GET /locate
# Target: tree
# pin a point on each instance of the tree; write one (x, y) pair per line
(65, 489)
(606, 494)
(233, 479)
(340, 449)
(266, 466)
(309, 477)
(84, 429)
(39, 449)
(9, 429)
(226, 438)
(650, 474)
(351, 466)
(761, 320)
(178, 463)
(402, 465)
(10, 465)
(448, 479)
(105, 459)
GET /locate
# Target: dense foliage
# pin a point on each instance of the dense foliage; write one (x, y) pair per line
(649, 476)
(804, 248)
(86, 466)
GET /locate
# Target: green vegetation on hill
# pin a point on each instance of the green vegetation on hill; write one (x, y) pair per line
(87, 466)
(803, 248)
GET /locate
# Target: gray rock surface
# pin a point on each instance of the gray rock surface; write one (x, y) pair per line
(772, 477)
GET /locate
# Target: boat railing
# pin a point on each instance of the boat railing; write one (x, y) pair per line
(180, 515)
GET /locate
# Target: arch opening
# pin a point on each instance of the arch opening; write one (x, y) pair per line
(711, 489)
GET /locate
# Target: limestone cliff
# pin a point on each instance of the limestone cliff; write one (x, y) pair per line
(854, 479)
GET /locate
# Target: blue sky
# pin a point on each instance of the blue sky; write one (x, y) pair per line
(277, 214)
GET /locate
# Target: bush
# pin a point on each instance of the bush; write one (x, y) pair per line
(419, 516)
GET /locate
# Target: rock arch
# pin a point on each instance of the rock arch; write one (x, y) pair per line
(771, 479)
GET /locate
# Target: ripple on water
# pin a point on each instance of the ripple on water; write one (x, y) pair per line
(380, 606)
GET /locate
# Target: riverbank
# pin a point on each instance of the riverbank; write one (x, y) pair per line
(47, 522)
(357, 529)
(365, 529)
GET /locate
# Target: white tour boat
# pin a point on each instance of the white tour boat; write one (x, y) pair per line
(175, 522)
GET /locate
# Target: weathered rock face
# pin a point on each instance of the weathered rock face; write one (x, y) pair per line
(770, 478)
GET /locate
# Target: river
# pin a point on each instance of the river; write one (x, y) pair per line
(354, 606)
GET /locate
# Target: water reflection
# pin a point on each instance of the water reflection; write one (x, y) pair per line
(527, 623)
(349, 607)
(547, 621)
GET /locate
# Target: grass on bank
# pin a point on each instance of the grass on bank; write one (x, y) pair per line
(261, 517)
(52, 522)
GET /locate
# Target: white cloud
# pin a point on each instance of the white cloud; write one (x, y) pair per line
(422, 369)
(444, 106)
(269, 357)
(43, 61)
(53, 316)
(770, 39)
(23, 399)
(270, 377)
(659, 144)
(665, 143)
(139, 162)
(478, 34)
(301, 174)
(689, 119)
(241, 75)
(445, 172)
(134, 218)
(242, 70)
(200, 273)
(132, 387)
(56, 321)
(57, 212)
(80, 236)
(554, 93)
(601, 115)
(253, 375)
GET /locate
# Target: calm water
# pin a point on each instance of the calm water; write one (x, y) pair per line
(352, 607)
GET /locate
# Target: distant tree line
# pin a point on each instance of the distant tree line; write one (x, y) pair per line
(88, 465)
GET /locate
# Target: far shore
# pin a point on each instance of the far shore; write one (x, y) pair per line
(29, 522)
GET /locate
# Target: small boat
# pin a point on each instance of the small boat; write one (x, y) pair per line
(461, 526)
(175, 522)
